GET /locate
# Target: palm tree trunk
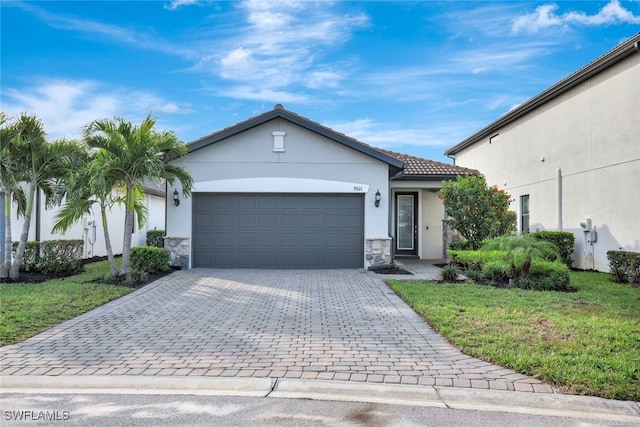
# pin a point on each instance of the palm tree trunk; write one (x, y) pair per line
(14, 271)
(107, 242)
(128, 226)
(8, 243)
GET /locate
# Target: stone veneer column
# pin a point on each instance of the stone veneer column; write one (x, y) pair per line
(449, 235)
(179, 250)
(377, 251)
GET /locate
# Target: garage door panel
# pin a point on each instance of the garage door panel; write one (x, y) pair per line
(290, 240)
(223, 201)
(247, 202)
(278, 230)
(291, 221)
(334, 221)
(221, 221)
(247, 220)
(268, 220)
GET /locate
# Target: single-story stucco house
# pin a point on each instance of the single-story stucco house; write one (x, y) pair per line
(281, 191)
(570, 156)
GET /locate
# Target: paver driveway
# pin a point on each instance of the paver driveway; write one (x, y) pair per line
(314, 324)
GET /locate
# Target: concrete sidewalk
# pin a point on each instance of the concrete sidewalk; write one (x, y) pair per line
(597, 410)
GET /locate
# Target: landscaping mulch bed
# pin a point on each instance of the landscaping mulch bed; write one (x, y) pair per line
(32, 277)
(35, 277)
(393, 271)
(142, 281)
(388, 269)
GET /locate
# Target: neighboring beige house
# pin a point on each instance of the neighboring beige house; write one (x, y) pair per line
(570, 156)
(281, 191)
(90, 230)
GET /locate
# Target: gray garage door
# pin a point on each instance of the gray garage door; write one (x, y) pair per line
(278, 230)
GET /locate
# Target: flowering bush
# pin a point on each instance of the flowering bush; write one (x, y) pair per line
(478, 212)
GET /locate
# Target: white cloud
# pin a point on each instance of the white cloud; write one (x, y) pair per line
(612, 13)
(177, 4)
(389, 135)
(238, 60)
(323, 79)
(65, 106)
(116, 33)
(269, 20)
(262, 94)
(282, 45)
(279, 46)
(545, 16)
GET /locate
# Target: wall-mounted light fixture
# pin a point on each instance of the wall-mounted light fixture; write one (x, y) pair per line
(378, 197)
(176, 197)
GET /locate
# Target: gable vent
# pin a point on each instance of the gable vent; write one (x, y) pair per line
(278, 141)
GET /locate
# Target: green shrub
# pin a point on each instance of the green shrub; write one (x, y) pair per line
(149, 259)
(508, 224)
(60, 256)
(498, 270)
(564, 240)
(31, 256)
(474, 260)
(464, 245)
(624, 266)
(450, 273)
(477, 210)
(520, 251)
(477, 276)
(155, 238)
(549, 276)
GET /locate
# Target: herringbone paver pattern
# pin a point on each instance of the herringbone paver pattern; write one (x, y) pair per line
(344, 325)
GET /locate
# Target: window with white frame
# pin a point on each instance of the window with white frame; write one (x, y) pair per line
(524, 214)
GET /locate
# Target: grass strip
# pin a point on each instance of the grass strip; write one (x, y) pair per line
(27, 309)
(586, 342)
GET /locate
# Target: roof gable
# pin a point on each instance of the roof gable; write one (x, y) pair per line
(279, 112)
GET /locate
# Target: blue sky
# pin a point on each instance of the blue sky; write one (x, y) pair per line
(415, 77)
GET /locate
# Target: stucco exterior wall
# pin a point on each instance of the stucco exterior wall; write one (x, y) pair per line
(309, 163)
(431, 245)
(85, 231)
(589, 135)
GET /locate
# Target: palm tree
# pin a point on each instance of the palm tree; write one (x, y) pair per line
(132, 156)
(10, 189)
(41, 165)
(520, 252)
(85, 184)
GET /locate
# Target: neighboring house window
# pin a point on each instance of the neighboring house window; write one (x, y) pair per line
(524, 214)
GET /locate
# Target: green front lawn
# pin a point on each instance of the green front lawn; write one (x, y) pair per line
(586, 342)
(28, 309)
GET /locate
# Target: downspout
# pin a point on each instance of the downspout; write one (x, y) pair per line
(2, 225)
(390, 214)
(452, 157)
(166, 209)
(38, 216)
(559, 176)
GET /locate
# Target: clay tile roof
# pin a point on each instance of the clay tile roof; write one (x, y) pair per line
(419, 167)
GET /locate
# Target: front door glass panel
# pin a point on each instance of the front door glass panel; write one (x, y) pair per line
(406, 222)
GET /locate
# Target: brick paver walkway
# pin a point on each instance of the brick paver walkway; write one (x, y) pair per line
(314, 324)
